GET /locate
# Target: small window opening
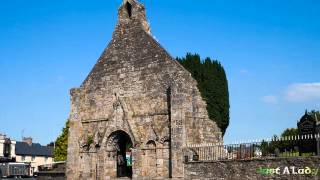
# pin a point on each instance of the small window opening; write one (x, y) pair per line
(129, 9)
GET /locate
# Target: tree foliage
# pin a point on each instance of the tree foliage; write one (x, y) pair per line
(281, 146)
(288, 145)
(213, 85)
(290, 132)
(61, 144)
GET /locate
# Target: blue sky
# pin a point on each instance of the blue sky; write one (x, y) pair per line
(269, 48)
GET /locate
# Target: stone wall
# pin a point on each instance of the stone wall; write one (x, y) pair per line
(51, 176)
(253, 169)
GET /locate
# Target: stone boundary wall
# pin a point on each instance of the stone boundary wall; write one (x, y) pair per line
(51, 176)
(254, 169)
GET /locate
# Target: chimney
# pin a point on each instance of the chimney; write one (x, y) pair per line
(27, 140)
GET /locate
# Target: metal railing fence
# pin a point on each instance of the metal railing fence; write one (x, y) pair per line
(289, 146)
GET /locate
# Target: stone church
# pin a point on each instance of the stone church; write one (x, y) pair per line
(136, 110)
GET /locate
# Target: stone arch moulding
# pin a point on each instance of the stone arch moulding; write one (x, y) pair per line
(151, 144)
(119, 123)
(108, 139)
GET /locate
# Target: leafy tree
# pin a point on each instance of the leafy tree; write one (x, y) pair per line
(289, 145)
(265, 148)
(290, 132)
(61, 144)
(282, 146)
(213, 85)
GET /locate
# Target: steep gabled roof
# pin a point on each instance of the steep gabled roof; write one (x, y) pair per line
(35, 149)
(132, 48)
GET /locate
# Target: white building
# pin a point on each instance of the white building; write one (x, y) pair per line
(26, 152)
(7, 149)
(33, 153)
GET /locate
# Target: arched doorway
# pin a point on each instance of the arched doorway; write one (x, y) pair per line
(121, 142)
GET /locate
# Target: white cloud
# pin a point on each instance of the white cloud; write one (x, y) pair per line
(301, 92)
(270, 99)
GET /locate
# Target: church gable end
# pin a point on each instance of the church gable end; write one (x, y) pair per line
(136, 109)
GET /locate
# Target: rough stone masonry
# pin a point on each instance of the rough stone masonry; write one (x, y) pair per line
(136, 110)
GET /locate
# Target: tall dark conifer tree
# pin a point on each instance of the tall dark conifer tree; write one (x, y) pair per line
(213, 85)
